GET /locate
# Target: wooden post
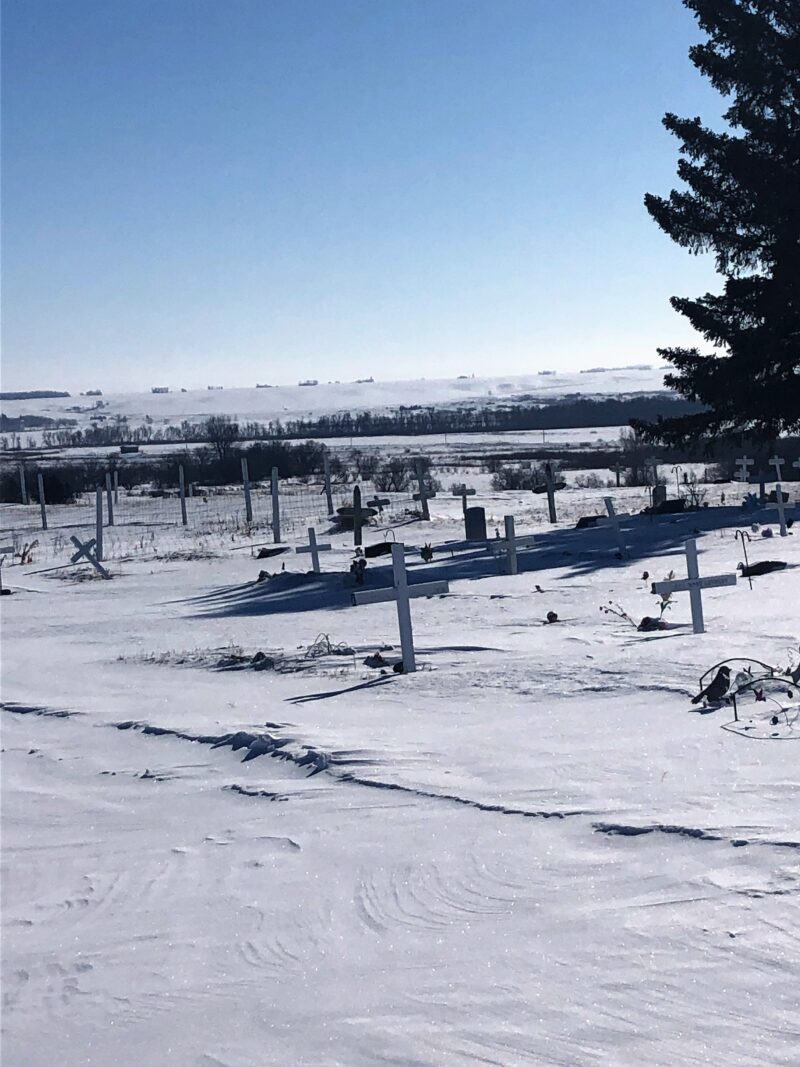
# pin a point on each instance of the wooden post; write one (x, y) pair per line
(98, 525)
(358, 517)
(422, 495)
(551, 496)
(42, 503)
(511, 546)
(276, 506)
(326, 461)
(23, 488)
(109, 499)
(248, 504)
(182, 486)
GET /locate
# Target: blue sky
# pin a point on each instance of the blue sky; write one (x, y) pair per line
(232, 191)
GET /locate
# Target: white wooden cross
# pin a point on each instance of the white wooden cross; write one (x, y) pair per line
(777, 463)
(743, 474)
(510, 544)
(85, 552)
(694, 583)
(313, 548)
(613, 522)
(780, 506)
(401, 593)
(463, 492)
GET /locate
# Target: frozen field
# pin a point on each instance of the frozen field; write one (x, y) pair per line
(533, 851)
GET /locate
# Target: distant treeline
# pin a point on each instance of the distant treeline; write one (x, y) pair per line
(33, 394)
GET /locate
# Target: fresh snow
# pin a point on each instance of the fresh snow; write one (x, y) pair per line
(533, 851)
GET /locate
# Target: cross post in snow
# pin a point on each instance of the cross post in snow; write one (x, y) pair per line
(313, 548)
(379, 502)
(402, 593)
(85, 552)
(463, 492)
(360, 517)
(694, 584)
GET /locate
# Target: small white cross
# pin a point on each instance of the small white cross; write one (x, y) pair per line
(511, 544)
(313, 548)
(777, 463)
(613, 522)
(743, 474)
(694, 584)
(85, 552)
(401, 593)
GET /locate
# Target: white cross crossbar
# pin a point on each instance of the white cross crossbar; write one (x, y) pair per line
(313, 548)
(402, 593)
(694, 584)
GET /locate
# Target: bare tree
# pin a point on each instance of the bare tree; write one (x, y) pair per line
(221, 431)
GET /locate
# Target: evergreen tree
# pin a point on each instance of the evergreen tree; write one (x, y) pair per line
(742, 202)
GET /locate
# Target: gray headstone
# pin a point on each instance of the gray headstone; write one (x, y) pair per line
(475, 524)
(659, 495)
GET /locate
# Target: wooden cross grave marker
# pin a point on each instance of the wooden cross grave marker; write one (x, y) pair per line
(423, 495)
(402, 593)
(694, 584)
(613, 522)
(361, 517)
(780, 507)
(85, 552)
(511, 544)
(743, 473)
(379, 502)
(313, 548)
(463, 492)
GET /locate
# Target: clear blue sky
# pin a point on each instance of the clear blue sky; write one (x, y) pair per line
(236, 191)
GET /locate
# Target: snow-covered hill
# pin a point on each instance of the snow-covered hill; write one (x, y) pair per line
(286, 402)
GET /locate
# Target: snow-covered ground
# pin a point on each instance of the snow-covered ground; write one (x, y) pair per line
(287, 402)
(533, 851)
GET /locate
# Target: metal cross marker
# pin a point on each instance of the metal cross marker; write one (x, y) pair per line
(85, 552)
(463, 492)
(694, 584)
(401, 593)
(613, 522)
(313, 548)
(424, 495)
(780, 507)
(743, 474)
(777, 463)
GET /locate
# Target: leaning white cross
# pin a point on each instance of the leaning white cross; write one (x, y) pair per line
(613, 522)
(777, 463)
(694, 583)
(743, 474)
(85, 552)
(401, 593)
(313, 548)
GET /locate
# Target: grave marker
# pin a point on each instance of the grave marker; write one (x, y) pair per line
(360, 517)
(402, 593)
(551, 493)
(313, 548)
(694, 584)
(109, 499)
(510, 544)
(423, 495)
(780, 507)
(743, 474)
(98, 522)
(379, 502)
(182, 490)
(463, 492)
(777, 463)
(613, 522)
(475, 524)
(326, 476)
(85, 552)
